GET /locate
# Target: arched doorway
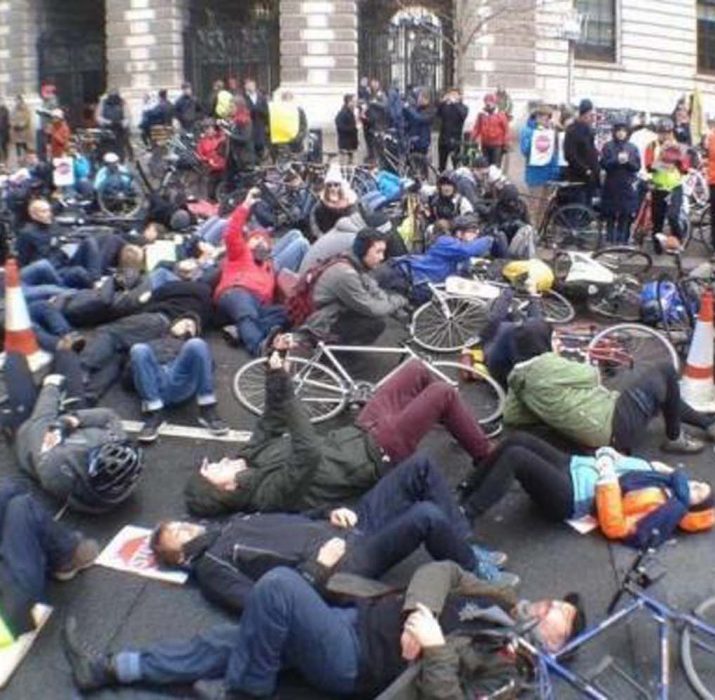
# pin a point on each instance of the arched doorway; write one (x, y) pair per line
(231, 41)
(408, 46)
(71, 54)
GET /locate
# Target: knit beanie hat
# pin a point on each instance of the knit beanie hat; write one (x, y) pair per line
(364, 241)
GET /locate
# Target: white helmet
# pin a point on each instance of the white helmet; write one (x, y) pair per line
(111, 158)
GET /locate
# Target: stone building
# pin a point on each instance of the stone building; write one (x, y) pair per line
(633, 53)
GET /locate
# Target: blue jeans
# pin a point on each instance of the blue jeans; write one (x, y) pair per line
(253, 320)
(84, 267)
(286, 624)
(31, 542)
(289, 251)
(40, 272)
(190, 374)
(48, 323)
(160, 276)
(212, 230)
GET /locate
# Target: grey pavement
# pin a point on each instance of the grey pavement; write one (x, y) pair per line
(116, 609)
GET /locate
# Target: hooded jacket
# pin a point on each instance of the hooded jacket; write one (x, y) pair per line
(290, 468)
(563, 394)
(240, 269)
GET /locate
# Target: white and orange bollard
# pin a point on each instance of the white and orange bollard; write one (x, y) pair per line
(697, 387)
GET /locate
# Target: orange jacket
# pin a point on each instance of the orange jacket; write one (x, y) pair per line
(59, 138)
(619, 513)
(711, 157)
(491, 129)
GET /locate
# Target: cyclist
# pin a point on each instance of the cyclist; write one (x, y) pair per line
(667, 164)
(619, 202)
(418, 122)
(113, 178)
(337, 201)
(491, 131)
(452, 113)
(630, 496)
(446, 203)
(582, 155)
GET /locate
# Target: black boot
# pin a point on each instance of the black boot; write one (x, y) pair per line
(91, 669)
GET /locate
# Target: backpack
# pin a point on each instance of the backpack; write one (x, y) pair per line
(299, 304)
(670, 304)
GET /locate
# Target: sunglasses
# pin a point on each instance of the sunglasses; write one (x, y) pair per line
(333, 186)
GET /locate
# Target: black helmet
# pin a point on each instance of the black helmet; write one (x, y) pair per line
(113, 474)
(665, 126)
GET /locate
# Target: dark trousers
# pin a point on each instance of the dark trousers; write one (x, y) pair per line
(356, 329)
(542, 471)
(48, 323)
(412, 402)
(285, 624)
(84, 267)
(31, 542)
(618, 228)
(667, 205)
(445, 149)
(493, 154)
(649, 392)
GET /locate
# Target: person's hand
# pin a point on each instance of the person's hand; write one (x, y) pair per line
(284, 342)
(71, 422)
(606, 467)
(421, 631)
(622, 157)
(331, 552)
(254, 194)
(343, 517)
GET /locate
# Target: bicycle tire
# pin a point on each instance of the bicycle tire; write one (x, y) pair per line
(659, 350)
(431, 330)
(620, 300)
(330, 396)
(483, 394)
(121, 206)
(622, 260)
(701, 230)
(556, 308)
(574, 225)
(686, 655)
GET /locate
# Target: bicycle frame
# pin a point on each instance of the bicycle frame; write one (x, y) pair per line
(666, 618)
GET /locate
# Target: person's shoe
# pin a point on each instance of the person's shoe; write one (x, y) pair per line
(217, 690)
(230, 335)
(91, 669)
(83, 557)
(210, 419)
(494, 558)
(684, 444)
(72, 341)
(152, 424)
(57, 380)
(491, 574)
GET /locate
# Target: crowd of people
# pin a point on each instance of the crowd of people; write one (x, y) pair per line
(294, 530)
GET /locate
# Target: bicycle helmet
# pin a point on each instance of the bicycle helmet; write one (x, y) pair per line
(110, 158)
(665, 126)
(113, 474)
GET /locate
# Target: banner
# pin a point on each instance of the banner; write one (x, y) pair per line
(129, 552)
(543, 143)
(63, 172)
(11, 657)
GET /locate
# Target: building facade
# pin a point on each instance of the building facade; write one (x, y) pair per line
(632, 53)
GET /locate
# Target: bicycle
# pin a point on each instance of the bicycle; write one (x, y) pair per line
(401, 159)
(697, 635)
(327, 389)
(617, 350)
(610, 279)
(571, 224)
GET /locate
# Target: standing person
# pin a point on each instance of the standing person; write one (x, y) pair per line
(364, 89)
(4, 131)
(374, 119)
(491, 131)
(112, 114)
(710, 147)
(346, 126)
(539, 148)
(221, 101)
(241, 151)
(258, 105)
(59, 135)
(581, 153)
(452, 114)
(21, 124)
(681, 117)
(619, 202)
(48, 93)
(418, 122)
(187, 109)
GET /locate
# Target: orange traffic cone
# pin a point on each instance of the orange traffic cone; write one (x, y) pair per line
(19, 336)
(697, 387)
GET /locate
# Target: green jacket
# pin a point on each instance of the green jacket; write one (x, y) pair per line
(290, 467)
(565, 395)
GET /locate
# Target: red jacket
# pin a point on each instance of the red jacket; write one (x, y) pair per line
(211, 150)
(491, 129)
(239, 268)
(60, 135)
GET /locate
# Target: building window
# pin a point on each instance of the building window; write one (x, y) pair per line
(599, 36)
(706, 36)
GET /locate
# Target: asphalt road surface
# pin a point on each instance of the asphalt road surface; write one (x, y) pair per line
(116, 609)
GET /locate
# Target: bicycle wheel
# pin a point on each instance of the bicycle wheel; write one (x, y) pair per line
(321, 391)
(620, 350)
(624, 260)
(482, 394)
(122, 203)
(448, 324)
(620, 300)
(697, 652)
(701, 229)
(555, 307)
(575, 225)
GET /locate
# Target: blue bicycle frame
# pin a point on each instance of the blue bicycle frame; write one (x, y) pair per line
(665, 617)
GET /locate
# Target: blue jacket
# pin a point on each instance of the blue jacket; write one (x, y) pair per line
(445, 257)
(389, 184)
(537, 175)
(419, 127)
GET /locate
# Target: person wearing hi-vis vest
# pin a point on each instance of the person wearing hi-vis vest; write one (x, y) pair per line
(288, 124)
(32, 545)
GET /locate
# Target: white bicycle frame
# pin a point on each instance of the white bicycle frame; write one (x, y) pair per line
(585, 270)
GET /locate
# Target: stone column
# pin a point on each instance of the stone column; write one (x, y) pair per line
(319, 55)
(145, 47)
(19, 31)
